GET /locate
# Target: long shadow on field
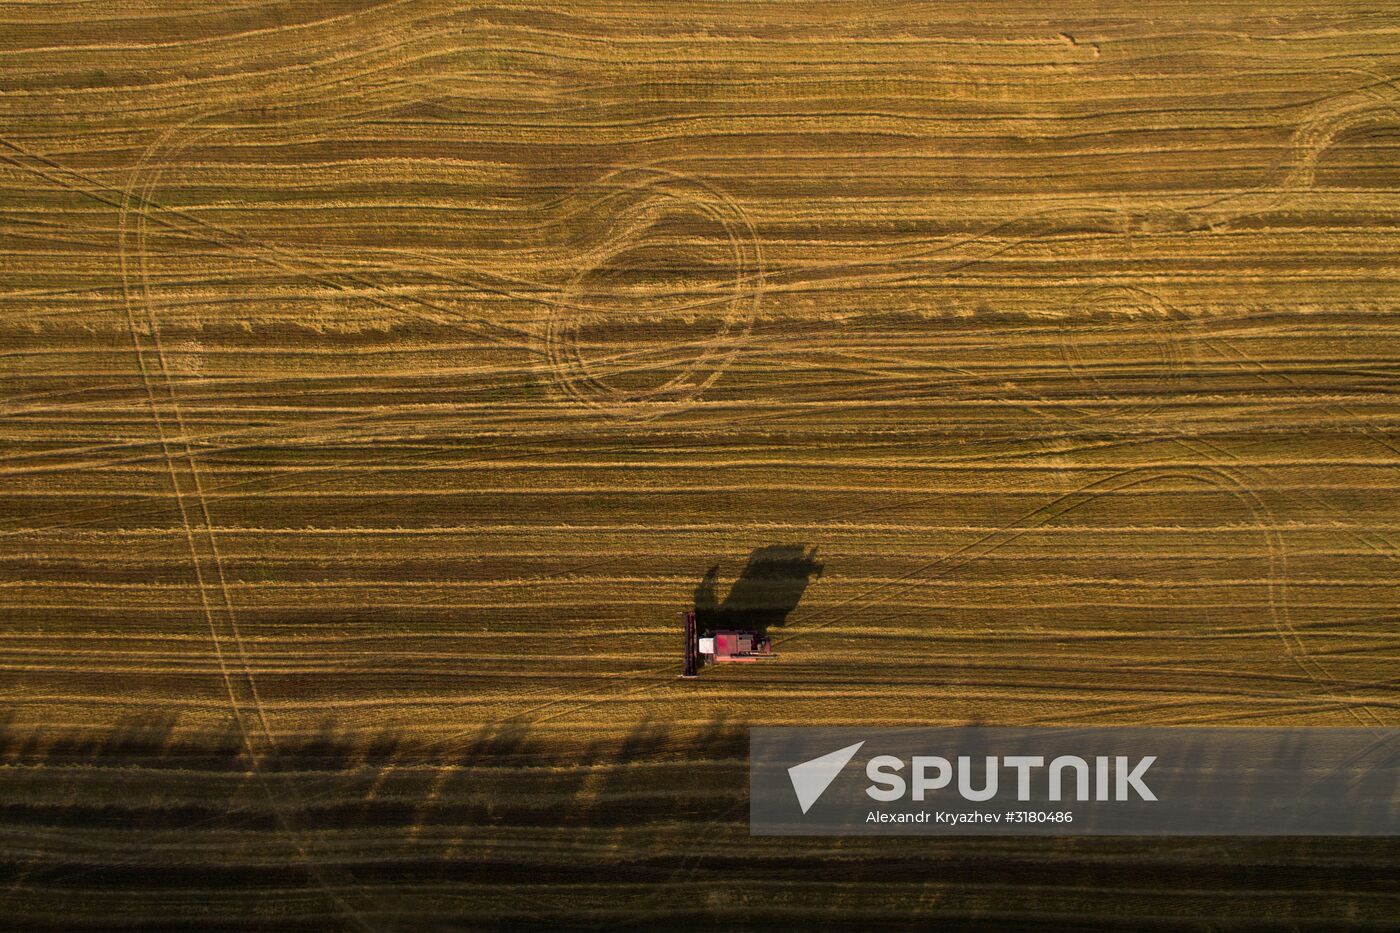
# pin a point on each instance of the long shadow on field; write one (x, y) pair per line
(107, 803)
(147, 815)
(768, 589)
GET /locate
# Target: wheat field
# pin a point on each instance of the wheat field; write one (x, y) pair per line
(380, 379)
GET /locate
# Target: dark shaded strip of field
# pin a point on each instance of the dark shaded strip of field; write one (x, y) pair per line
(146, 813)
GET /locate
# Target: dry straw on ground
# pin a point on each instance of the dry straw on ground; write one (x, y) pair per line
(379, 379)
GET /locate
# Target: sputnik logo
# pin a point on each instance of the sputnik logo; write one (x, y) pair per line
(811, 778)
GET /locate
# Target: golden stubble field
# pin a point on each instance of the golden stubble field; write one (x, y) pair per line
(379, 380)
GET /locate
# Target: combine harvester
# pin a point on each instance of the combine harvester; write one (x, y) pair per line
(722, 645)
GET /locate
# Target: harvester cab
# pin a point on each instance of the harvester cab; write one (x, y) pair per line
(722, 645)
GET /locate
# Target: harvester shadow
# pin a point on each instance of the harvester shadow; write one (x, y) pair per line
(767, 591)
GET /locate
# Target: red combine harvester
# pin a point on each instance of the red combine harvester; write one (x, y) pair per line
(722, 645)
